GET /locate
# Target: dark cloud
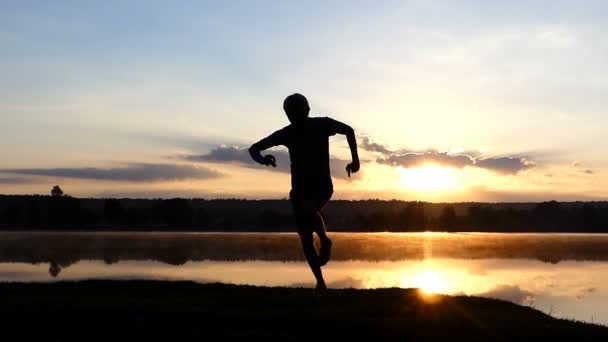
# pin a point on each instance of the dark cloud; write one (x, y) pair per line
(502, 165)
(505, 165)
(404, 158)
(510, 293)
(240, 156)
(411, 159)
(367, 144)
(15, 180)
(133, 172)
(581, 168)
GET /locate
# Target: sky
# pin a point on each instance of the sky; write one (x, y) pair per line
(451, 100)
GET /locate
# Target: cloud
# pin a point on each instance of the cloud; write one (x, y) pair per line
(133, 172)
(510, 293)
(367, 144)
(405, 158)
(581, 168)
(505, 165)
(240, 156)
(411, 159)
(15, 180)
(502, 165)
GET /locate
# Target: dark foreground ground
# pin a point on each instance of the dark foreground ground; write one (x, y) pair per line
(156, 310)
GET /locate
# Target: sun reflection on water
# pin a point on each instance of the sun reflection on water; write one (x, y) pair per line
(431, 282)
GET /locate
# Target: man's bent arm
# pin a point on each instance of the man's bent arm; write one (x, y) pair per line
(342, 128)
(255, 150)
(352, 144)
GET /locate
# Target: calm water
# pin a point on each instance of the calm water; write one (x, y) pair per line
(565, 275)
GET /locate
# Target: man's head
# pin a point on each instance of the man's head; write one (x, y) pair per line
(296, 107)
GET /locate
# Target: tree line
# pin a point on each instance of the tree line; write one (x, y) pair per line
(60, 211)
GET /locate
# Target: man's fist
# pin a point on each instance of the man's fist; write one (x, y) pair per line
(269, 160)
(352, 167)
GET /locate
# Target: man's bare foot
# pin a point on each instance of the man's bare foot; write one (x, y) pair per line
(325, 252)
(320, 289)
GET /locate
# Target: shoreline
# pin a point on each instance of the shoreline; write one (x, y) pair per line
(153, 309)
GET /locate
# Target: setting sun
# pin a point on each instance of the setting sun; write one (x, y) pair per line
(428, 178)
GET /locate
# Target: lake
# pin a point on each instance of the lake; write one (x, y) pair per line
(565, 275)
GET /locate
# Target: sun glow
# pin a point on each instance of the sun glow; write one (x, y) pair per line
(430, 282)
(429, 178)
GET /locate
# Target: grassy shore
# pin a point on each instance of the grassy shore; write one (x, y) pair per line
(159, 310)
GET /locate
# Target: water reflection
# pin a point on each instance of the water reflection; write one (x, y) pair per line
(565, 275)
(570, 289)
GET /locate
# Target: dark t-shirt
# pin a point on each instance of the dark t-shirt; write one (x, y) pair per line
(308, 144)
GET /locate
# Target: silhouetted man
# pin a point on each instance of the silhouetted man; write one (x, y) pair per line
(311, 187)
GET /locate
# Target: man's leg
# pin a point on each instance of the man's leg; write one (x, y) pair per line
(310, 212)
(313, 259)
(305, 214)
(319, 227)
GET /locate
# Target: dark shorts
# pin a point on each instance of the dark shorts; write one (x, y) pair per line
(306, 207)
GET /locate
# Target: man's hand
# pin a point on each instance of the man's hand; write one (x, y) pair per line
(352, 167)
(269, 159)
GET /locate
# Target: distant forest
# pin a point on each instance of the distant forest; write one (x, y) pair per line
(63, 212)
